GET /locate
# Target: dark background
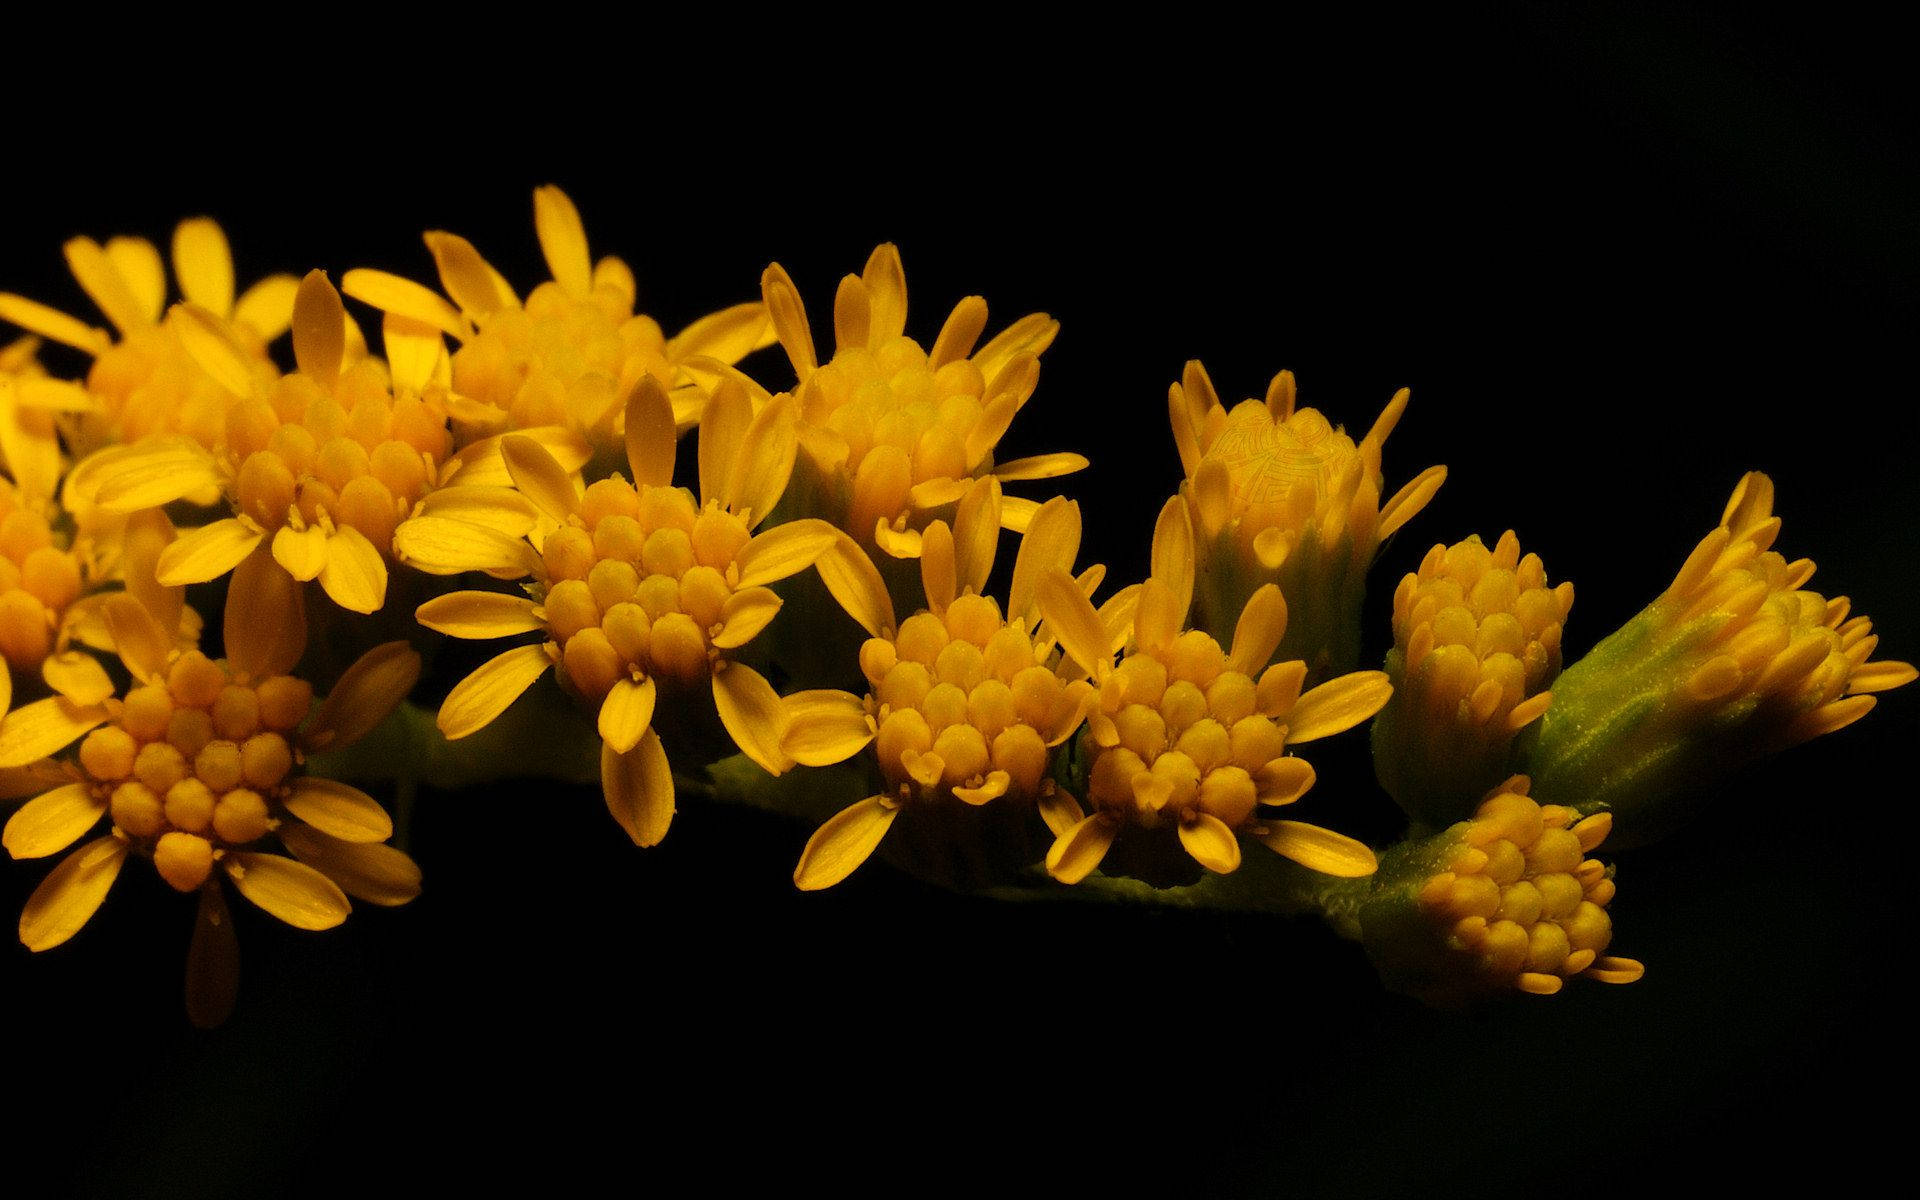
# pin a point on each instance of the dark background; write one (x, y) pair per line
(1621, 255)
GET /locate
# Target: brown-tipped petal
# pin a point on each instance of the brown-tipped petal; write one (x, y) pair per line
(855, 582)
(266, 618)
(206, 553)
(213, 961)
(1263, 622)
(1075, 853)
(539, 478)
(753, 715)
(69, 896)
(627, 713)
(338, 810)
(49, 823)
(1338, 705)
(784, 550)
(486, 693)
(843, 843)
(639, 789)
(1212, 844)
(364, 870)
(35, 731)
(651, 437)
(1319, 849)
(289, 890)
(319, 329)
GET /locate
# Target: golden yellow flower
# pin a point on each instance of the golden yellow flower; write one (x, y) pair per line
(637, 588)
(964, 704)
(145, 381)
(31, 402)
(318, 467)
(1735, 660)
(197, 767)
(1505, 900)
(1193, 735)
(1476, 644)
(893, 433)
(1279, 495)
(566, 360)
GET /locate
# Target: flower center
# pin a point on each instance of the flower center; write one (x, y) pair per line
(561, 360)
(38, 580)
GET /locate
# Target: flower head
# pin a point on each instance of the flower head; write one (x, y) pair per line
(567, 357)
(1193, 735)
(1735, 660)
(1506, 900)
(893, 433)
(637, 587)
(1476, 644)
(144, 381)
(1279, 495)
(965, 703)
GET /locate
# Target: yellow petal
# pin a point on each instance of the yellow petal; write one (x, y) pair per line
(651, 436)
(786, 549)
(34, 731)
(105, 286)
(143, 273)
(960, 333)
(1284, 780)
(366, 695)
(416, 354)
(155, 472)
(210, 343)
(789, 317)
(744, 615)
(76, 675)
(723, 430)
(937, 576)
(765, 460)
(71, 893)
(1173, 552)
(1319, 849)
(445, 546)
(481, 463)
(266, 618)
(206, 553)
(291, 891)
(728, 335)
(1060, 811)
(855, 582)
(639, 789)
(1338, 705)
(500, 509)
(1016, 512)
(539, 478)
(137, 638)
(486, 693)
(751, 711)
(1211, 843)
(467, 277)
(991, 788)
(627, 713)
(1041, 466)
(303, 552)
(49, 823)
(1263, 622)
(404, 297)
(51, 323)
(204, 265)
(1879, 676)
(1052, 540)
(843, 843)
(479, 615)
(976, 534)
(1410, 499)
(213, 961)
(824, 726)
(28, 444)
(355, 576)
(364, 870)
(267, 306)
(1075, 853)
(1070, 618)
(563, 241)
(338, 810)
(319, 329)
(1031, 334)
(53, 395)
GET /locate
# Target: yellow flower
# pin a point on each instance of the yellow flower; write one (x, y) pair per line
(30, 403)
(1476, 644)
(1278, 495)
(1505, 900)
(145, 381)
(1735, 660)
(1185, 735)
(196, 767)
(40, 580)
(637, 588)
(318, 467)
(964, 704)
(568, 358)
(891, 433)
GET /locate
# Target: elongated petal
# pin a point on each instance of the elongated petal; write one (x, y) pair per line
(937, 576)
(1173, 552)
(652, 439)
(447, 546)
(204, 264)
(728, 335)
(391, 293)
(843, 843)
(53, 324)
(1052, 540)
(824, 726)
(765, 460)
(143, 272)
(1075, 853)
(627, 713)
(34, 731)
(49, 823)
(784, 550)
(639, 789)
(1263, 622)
(481, 464)
(366, 695)
(210, 344)
(1041, 466)
(354, 575)
(500, 509)
(415, 352)
(1409, 500)
(539, 478)
(76, 675)
(319, 329)
(855, 582)
(1211, 843)
(744, 615)
(467, 277)
(1319, 849)
(291, 891)
(976, 534)
(69, 896)
(339, 810)
(789, 317)
(266, 621)
(1060, 811)
(1338, 705)
(207, 553)
(479, 615)
(155, 472)
(267, 306)
(486, 693)
(137, 638)
(364, 870)
(213, 961)
(104, 285)
(563, 241)
(752, 713)
(723, 433)
(1071, 618)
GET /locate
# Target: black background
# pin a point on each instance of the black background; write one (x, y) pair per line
(1620, 256)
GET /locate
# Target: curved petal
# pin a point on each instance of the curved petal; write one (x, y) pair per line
(563, 241)
(479, 615)
(728, 335)
(843, 843)
(319, 329)
(539, 478)
(203, 264)
(1409, 500)
(267, 306)
(744, 615)
(1071, 618)
(1173, 552)
(447, 546)
(157, 471)
(1060, 811)
(303, 552)
(499, 509)
(364, 870)
(104, 285)
(753, 715)
(855, 582)
(627, 713)
(144, 274)
(824, 726)
(1041, 466)
(34, 731)
(1263, 622)
(639, 789)
(213, 961)
(76, 675)
(1052, 540)
(486, 693)
(765, 460)
(206, 553)
(1319, 849)
(1075, 853)
(69, 896)
(723, 434)
(786, 549)
(291, 891)
(137, 638)
(1211, 843)
(354, 575)
(266, 619)
(652, 439)
(51, 323)
(467, 277)
(338, 810)
(789, 317)
(1338, 705)
(49, 823)
(394, 294)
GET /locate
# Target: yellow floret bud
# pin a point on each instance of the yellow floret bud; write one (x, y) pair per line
(183, 860)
